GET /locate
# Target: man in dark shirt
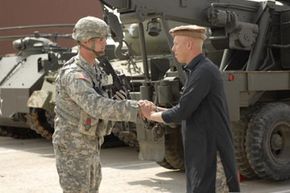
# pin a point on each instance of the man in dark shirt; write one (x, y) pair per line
(202, 111)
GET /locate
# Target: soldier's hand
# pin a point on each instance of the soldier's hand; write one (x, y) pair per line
(120, 95)
(146, 108)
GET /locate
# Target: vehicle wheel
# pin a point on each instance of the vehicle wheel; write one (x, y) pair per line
(173, 150)
(221, 180)
(111, 141)
(239, 134)
(268, 142)
(126, 132)
(18, 133)
(165, 164)
(41, 122)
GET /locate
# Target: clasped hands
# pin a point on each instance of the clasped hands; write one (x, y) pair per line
(146, 108)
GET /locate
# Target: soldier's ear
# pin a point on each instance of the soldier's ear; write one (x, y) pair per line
(86, 41)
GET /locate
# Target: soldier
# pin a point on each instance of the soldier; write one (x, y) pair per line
(83, 111)
(202, 110)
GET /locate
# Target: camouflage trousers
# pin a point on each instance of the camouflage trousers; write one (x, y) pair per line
(78, 173)
(221, 181)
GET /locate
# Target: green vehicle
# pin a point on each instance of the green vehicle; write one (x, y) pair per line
(249, 42)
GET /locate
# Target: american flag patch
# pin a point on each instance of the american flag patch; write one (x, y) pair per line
(81, 76)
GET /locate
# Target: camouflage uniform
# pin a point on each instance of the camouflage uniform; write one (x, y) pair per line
(82, 114)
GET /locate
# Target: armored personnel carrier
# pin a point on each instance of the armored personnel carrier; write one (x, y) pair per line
(31, 68)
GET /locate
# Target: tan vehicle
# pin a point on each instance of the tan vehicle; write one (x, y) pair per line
(33, 66)
(34, 43)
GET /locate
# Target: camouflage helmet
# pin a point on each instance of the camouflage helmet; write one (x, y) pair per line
(90, 27)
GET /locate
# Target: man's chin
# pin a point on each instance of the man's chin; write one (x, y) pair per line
(100, 53)
(178, 60)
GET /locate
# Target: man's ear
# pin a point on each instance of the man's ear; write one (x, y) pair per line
(188, 44)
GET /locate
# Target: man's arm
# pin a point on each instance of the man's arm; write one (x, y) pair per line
(156, 116)
(151, 112)
(82, 93)
(158, 109)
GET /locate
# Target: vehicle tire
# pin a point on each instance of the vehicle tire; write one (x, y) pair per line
(18, 133)
(165, 164)
(173, 149)
(111, 141)
(221, 180)
(239, 130)
(126, 132)
(268, 141)
(40, 122)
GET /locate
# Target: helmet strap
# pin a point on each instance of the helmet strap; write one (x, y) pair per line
(92, 48)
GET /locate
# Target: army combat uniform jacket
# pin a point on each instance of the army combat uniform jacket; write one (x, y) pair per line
(83, 107)
(83, 115)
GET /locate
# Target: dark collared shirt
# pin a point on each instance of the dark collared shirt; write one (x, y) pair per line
(202, 111)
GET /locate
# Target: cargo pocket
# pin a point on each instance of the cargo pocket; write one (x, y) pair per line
(87, 125)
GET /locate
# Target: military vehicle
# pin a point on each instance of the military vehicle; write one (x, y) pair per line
(27, 85)
(249, 42)
(33, 66)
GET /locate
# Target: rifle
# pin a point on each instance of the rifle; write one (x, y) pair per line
(119, 82)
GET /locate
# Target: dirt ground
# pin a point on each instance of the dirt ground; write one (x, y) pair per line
(28, 166)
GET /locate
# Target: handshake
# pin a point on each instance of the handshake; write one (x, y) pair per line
(150, 111)
(146, 108)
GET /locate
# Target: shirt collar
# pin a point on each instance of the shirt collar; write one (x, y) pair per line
(194, 62)
(84, 64)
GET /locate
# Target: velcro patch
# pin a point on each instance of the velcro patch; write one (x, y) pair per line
(88, 121)
(81, 76)
(87, 124)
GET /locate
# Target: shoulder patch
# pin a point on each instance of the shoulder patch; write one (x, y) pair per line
(82, 76)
